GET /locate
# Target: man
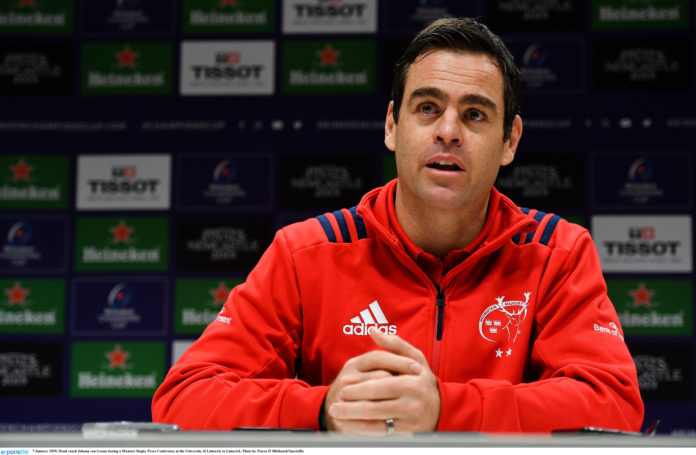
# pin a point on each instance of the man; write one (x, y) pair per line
(436, 304)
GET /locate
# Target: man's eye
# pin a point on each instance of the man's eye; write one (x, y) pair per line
(427, 109)
(475, 115)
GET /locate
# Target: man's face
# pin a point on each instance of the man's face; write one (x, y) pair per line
(449, 138)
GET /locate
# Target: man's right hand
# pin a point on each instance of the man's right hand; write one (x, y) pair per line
(394, 384)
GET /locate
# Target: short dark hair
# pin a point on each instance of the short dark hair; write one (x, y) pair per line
(465, 35)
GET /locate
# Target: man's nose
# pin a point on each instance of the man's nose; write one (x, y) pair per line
(448, 129)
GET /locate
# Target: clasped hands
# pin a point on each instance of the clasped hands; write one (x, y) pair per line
(394, 383)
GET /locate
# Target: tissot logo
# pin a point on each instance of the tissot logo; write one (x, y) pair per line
(329, 16)
(227, 67)
(649, 243)
(123, 181)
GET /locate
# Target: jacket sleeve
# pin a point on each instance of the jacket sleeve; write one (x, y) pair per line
(579, 371)
(241, 371)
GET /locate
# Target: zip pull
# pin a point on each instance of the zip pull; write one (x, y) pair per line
(440, 313)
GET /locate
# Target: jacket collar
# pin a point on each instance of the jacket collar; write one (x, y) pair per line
(504, 219)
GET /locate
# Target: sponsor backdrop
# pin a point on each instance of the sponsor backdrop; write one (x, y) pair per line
(152, 147)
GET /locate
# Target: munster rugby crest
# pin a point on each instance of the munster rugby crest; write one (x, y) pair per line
(501, 322)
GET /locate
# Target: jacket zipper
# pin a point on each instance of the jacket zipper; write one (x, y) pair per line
(439, 322)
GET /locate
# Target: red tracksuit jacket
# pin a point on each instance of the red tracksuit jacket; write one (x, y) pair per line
(521, 334)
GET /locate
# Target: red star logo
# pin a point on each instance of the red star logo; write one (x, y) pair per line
(121, 232)
(220, 293)
(21, 170)
(328, 56)
(642, 296)
(228, 2)
(117, 358)
(17, 294)
(126, 58)
(27, 3)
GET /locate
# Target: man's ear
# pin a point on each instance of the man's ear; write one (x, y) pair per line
(390, 128)
(512, 142)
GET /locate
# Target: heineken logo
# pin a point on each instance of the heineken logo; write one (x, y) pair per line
(641, 296)
(17, 294)
(229, 15)
(25, 317)
(198, 302)
(23, 182)
(219, 294)
(323, 67)
(640, 14)
(31, 306)
(27, 14)
(121, 232)
(122, 369)
(126, 57)
(133, 68)
(656, 307)
(21, 170)
(117, 358)
(328, 56)
(116, 244)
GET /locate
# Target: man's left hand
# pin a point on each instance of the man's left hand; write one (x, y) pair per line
(412, 400)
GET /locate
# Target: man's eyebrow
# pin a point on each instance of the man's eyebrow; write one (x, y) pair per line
(479, 100)
(427, 92)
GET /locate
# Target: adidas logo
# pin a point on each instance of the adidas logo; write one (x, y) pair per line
(369, 319)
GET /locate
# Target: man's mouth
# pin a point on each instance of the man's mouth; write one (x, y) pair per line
(444, 166)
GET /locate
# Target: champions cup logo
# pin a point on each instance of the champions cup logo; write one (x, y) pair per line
(501, 322)
(641, 170)
(19, 234)
(225, 172)
(120, 296)
(535, 56)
